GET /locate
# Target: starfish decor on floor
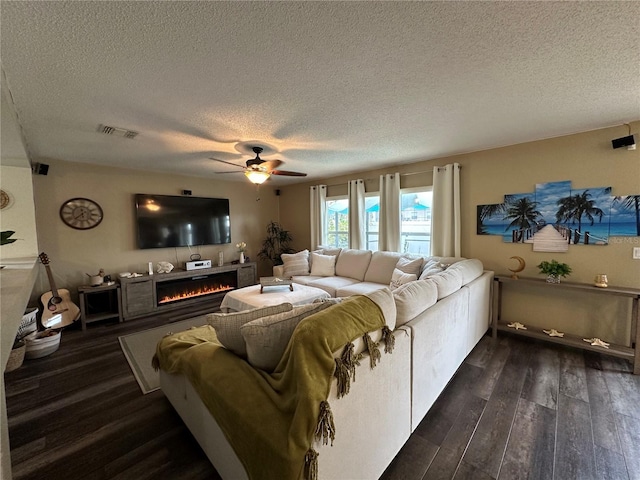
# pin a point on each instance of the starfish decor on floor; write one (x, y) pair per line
(553, 333)
(596, 342)
(517, 326)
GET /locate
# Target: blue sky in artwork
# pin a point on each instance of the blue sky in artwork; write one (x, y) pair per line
(547, 197)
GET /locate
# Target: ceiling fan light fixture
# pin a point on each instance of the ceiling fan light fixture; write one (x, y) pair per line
(256, 176)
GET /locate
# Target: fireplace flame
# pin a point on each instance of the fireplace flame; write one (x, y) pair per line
(208, 290)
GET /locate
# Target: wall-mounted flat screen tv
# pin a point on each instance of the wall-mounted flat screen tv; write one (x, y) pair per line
(173, 221)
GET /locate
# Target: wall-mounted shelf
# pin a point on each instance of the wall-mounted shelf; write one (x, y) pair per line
(630, 353)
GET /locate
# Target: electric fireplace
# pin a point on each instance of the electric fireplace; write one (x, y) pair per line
(196, 287)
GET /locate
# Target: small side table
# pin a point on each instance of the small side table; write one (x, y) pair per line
(100, 303)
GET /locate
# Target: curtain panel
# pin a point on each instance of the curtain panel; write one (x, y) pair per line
(357, 233)
(445, 213)
(389, 224)
(317, 215)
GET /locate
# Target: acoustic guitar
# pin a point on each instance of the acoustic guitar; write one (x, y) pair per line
(58, 309)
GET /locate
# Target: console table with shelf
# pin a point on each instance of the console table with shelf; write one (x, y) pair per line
(140, 294)
(631, 353)
(99, 303)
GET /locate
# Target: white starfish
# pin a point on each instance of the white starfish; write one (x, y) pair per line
(596, 342)
(553, 333)
(517, 326)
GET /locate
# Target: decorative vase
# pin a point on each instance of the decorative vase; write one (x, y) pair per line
(241, 257)
(553, 279)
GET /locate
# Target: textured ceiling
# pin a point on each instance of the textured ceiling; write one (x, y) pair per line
(330, 87)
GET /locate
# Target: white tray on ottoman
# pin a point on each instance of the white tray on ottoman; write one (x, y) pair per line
(250, 297)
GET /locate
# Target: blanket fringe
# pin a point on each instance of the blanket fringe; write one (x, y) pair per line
(311, 465)
(373, 349)
(326, 429)
(345, 370)
(389, 339)
(155, 362)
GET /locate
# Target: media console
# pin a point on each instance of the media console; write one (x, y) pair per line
(162, 292)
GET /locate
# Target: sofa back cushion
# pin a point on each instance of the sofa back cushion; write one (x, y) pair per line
(448, 281)
(266, 338)
(384, 299)
(227, 325)
(353, 263)
(381, 267)
(469, 269)
(296, 263)
(413, 298)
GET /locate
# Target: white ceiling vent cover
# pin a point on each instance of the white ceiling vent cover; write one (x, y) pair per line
(118, 132)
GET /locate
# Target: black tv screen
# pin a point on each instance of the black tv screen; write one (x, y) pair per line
(172, 221)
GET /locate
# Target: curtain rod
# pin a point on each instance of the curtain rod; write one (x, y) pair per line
(402, 175)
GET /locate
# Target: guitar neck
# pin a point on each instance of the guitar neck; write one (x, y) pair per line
(54, 290)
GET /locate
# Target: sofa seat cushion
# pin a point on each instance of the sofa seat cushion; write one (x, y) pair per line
(227, 325)
(332, 284)
(296, 263)
(381, 267)
(305, 279)
(413, 298)
(361, 288)
(353, 263)
(469, 269)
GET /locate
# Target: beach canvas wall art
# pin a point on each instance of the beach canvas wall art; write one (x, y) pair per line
(555, 216)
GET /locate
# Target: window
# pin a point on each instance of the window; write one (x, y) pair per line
(415, 224)
(337, 215)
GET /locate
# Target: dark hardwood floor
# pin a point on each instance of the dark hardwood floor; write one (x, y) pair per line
(516, 409)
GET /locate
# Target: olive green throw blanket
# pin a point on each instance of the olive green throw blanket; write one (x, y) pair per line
(270, 419)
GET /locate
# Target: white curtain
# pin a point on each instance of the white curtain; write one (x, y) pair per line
(357, 232)
(317, 214)
(445, 211)
(389, 225)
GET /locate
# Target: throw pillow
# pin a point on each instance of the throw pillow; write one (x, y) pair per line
(296, 263)
(267, 337)
(323, 265)
(227, 325)
(432, 267)
(400, 278)
(409, 265)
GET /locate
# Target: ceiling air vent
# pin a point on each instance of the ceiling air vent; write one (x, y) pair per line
(118, 132)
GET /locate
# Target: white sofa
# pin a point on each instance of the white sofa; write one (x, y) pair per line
(439, 320)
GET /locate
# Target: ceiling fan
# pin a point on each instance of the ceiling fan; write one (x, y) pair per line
(258, 170)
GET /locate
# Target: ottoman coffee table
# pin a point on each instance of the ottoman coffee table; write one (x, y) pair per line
(250, 297)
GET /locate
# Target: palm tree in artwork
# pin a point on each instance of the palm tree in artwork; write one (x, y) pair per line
(630, 202)
(523, 213)
(574, 207)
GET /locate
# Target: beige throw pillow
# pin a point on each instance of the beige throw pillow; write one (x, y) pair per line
(227, 325)
(296, 263)
(267, 337)
(323, 265)
(409, 265)
(399, 278)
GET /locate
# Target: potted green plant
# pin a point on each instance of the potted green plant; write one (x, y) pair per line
(5, 237)
(554, 270)
(276, 243)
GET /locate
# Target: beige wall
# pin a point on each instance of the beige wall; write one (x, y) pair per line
(588, 160)
(112, 245)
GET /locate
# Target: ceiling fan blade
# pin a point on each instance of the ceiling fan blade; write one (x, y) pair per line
(270, 165)
(221, 173)
(287, 174)
(228, 163)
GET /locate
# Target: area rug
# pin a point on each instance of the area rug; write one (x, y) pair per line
(138, 349)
